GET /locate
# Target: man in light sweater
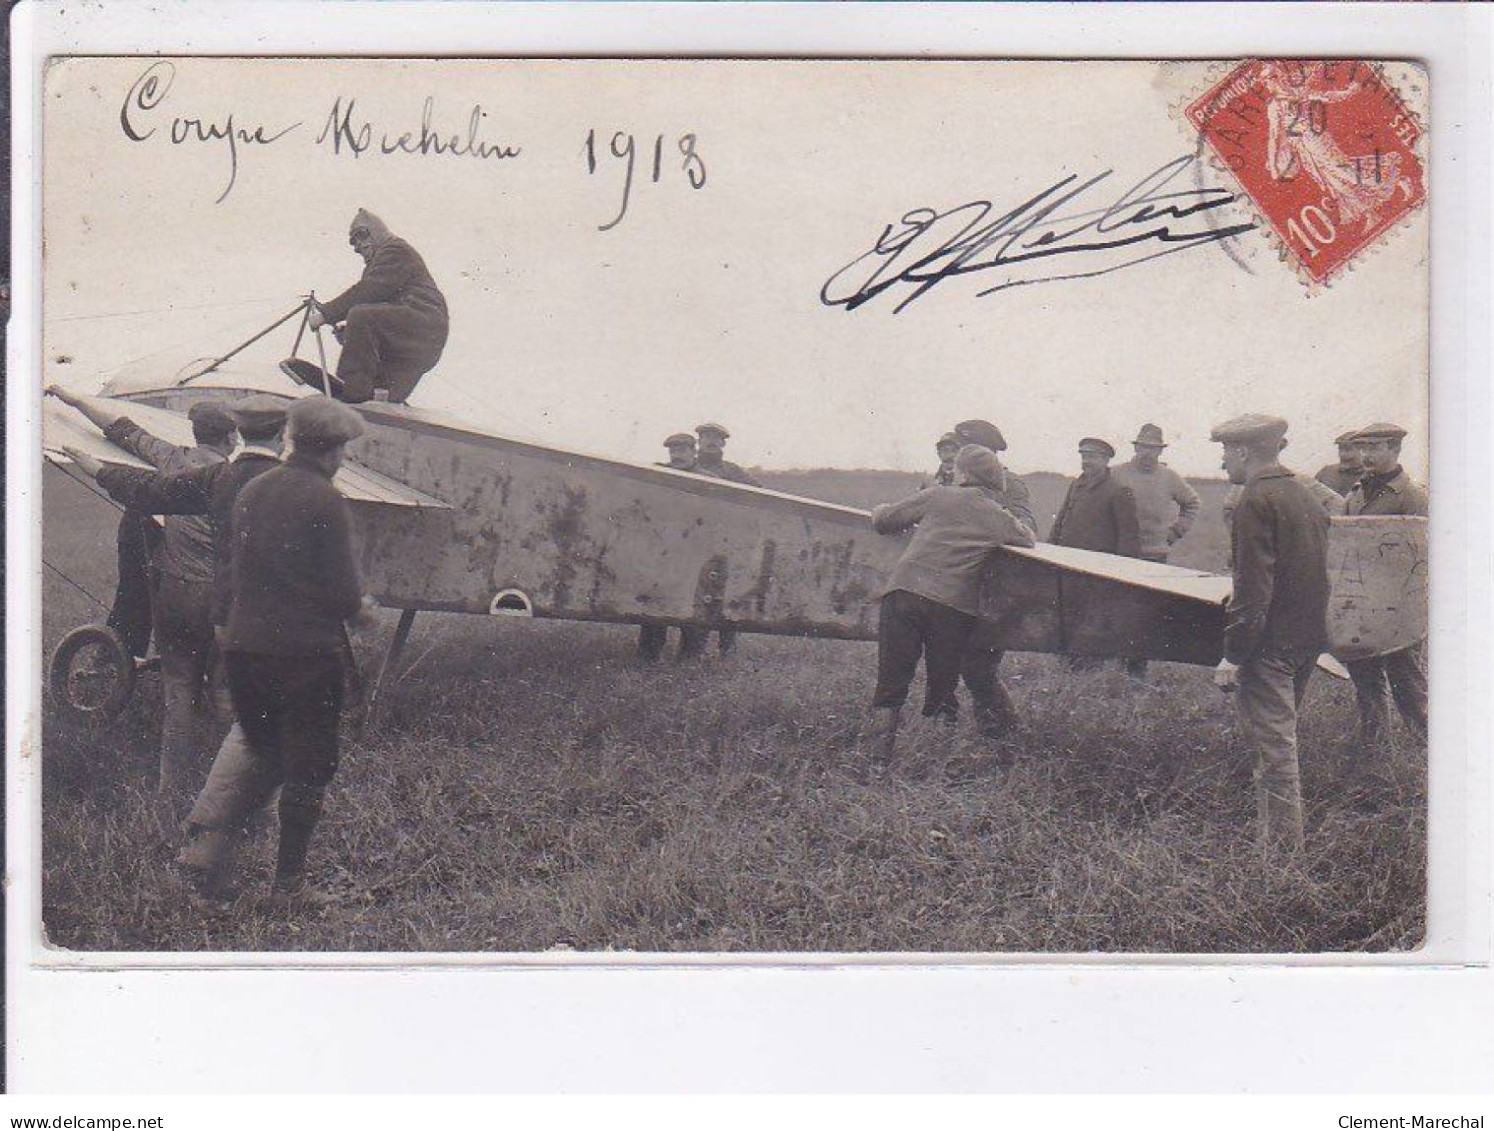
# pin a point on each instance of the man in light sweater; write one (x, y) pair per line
(1165, 505)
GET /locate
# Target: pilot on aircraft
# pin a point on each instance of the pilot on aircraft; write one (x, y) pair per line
(394, 320)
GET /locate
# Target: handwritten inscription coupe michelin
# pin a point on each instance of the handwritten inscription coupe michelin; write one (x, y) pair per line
(926, 247)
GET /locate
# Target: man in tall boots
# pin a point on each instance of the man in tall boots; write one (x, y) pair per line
(1275, 625)
(932, 597)
(295, 583)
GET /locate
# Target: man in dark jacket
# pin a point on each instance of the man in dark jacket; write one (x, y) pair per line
(294, 585)
(395, 317)
(1275, 626)
(237, 783)
(180, 594)
(1385, 488)
(995, 712)
(653, 637)
(930, 603)
(1097, 513)
(1341, 477)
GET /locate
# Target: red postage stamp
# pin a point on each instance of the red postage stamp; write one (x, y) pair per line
(1326, 150)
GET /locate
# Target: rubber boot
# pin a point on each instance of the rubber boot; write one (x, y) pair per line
(882, 736)
(300, 810)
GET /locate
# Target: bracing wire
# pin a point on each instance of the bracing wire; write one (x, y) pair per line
(75, 585)
(165, 309)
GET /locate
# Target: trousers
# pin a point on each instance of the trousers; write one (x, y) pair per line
(184, 639)
(130, 615)
(911, 626)
(388, 345)
(1271, 687)
(1406, 674)
(289, 708)
(995, 713)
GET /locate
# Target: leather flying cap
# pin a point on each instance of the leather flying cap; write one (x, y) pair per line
(709, 426)
(1381, 431)
(978, 464)
(1095, 444)
(260, 414)
(1150, 436)
(679, 440)
(320, 423)
(981, 432)
(1251, 428)
(211, 418)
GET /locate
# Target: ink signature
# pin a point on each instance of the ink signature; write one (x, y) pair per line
(926, 247)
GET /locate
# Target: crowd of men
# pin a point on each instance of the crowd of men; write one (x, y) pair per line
(1276, 617)
(267, 593)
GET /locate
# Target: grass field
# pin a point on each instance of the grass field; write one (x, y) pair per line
(529, 787)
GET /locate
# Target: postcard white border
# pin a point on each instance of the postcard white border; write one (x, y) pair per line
(141, 1022)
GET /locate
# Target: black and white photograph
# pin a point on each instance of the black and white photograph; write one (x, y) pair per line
(735, 506)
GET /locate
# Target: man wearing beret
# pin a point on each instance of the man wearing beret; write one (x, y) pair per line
(653, 637)
(1275, 621)
(395, 320)
(294, 585)
(1341, 477)
(947, 447)
(1385, 488)
(932, 597)
(178, 599)
(995, 712)
(709, 461)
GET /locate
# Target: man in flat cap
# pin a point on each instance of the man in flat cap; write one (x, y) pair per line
(1341, 477)
(709, 460)
(1098, 513)
(681, 449)
(1275, 622)
(930, 603)
(653, 637)
(294, 585)
(218, 815)
(995, 712)
(176, 587)
(947, 447)
(1165, 505)
(394, 321)
(1385, 488)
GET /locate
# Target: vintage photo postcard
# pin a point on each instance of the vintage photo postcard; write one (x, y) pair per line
(866, 507)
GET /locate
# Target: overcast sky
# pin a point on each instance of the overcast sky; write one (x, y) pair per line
(705, 303)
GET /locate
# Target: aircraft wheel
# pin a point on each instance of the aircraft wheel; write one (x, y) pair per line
(92, 675)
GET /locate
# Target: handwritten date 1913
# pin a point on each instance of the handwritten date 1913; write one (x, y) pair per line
(1019, 247)
(623, 147)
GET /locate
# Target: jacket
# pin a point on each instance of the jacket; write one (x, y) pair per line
(957, 529)
(294, 578)
(1397, 494)
(725, 470)
(1336, 479)
(1165, 505)
(396, 274)
(209, 490)
(1279, 543)
(1098, 514)
(187, 547)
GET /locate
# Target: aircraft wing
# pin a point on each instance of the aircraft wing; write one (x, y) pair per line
(65, 426)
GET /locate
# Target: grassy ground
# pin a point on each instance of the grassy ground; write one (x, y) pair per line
(528, 787)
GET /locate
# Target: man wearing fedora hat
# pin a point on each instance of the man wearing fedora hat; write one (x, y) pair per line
(179, 581)
(1385, 488)
(1165, 505)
